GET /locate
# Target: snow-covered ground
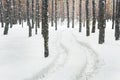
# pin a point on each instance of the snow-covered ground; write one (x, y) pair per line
(73, 56)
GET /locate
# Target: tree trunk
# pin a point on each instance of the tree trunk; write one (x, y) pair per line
(94, 16)
(37, 16)
(113, 17)
(117, 21)
(73, 14)
(14, 12)
(32, 13)
(45, 32)
(7, 17)
(102, 21)
(68, 20)
(19, 11)
(1, 14)
(52, 16)
(28, 19)
(87, 19)
(80, 15)
(55, 14)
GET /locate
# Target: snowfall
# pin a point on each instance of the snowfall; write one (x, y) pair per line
(73, 56)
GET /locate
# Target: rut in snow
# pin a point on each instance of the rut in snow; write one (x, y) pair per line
(92, 60)
(57, 63)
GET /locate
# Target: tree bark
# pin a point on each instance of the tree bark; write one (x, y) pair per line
(73, 14)
(102, 21)
(45, 31)
(80, 15)
(68, 20)
(87, 19)
(94, 16)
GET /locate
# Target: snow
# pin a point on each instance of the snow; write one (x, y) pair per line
(73, 56)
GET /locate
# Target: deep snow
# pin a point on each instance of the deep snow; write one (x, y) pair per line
(73, 56)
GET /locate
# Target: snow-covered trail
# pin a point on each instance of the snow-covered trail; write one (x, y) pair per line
(81, 61)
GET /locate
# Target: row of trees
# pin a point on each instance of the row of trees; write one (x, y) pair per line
(13, 12)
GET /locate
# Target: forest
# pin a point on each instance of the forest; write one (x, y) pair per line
(44, 11)
(59, 39)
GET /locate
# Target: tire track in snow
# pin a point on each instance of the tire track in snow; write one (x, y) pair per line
(92, 61)
(57, 63)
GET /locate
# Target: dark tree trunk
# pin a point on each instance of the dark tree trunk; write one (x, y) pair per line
(87, 19)
(55, 14)
(37, 16)
(73, 13)
(28, 19)
(1, 14)
(80, 15)
(113, 16)
(32, 13)
(94, 16)
(7, 17)
(68, 20)
(117, 21)
(19, 11)
(14, 12)
(45, 31)
(52, 14)
(102, 21)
